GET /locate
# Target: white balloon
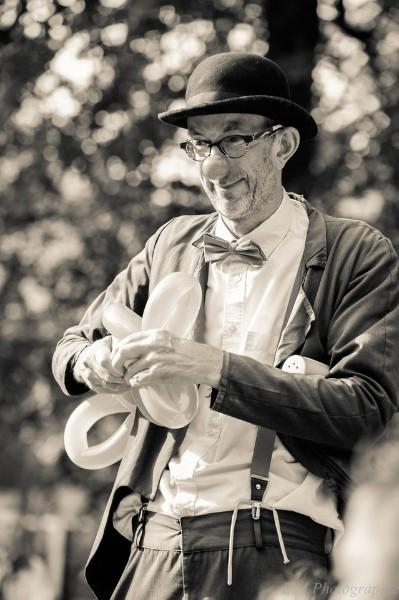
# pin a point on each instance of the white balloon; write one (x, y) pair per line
(173, 306)
(82, 419)
(170, 405)
(120, 321)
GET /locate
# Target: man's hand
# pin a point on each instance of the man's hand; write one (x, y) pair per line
(155, 356)
(93, 368)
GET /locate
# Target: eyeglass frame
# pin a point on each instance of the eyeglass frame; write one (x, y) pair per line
(252, 137)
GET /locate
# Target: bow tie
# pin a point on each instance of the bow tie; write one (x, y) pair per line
(216, 249)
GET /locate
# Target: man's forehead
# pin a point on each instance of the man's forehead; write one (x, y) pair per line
(224, 122)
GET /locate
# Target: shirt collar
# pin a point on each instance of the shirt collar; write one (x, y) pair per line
(268, 234)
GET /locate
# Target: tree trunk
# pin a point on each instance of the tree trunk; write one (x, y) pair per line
(294, 34)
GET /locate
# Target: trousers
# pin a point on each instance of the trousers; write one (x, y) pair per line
(187, 558)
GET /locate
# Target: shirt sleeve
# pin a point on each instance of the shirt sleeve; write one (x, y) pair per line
(360, 330)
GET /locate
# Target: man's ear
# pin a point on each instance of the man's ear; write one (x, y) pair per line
(286, 145)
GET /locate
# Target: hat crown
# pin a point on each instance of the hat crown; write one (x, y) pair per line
(234, 74)
(236, 82)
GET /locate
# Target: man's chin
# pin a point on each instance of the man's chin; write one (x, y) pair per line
(229, 201)
(232, 213)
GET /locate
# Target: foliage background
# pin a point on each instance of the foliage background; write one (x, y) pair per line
(87, 173)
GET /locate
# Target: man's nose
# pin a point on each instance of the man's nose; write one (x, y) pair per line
(216, 166)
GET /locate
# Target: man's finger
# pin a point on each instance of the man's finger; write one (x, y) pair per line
(157, 359)
(138, 344)
(126, 352)
(132, 351)
(100, 387)
(105, 375)
(101, 363)
(110, 389)
(136, 367)
(145, 377)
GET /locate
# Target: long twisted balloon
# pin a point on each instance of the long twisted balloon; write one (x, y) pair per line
(173, 306)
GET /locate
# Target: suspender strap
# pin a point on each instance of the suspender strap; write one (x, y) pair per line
(261, 459)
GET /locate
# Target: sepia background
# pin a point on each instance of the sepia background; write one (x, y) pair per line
(87, 173)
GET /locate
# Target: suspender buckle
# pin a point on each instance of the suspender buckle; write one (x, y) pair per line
(141, 514)
(256, 511)
(139, 529)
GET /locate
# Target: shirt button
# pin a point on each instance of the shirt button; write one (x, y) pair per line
(232, 328)
(237, 277)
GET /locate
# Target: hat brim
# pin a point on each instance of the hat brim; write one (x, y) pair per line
(280, 110)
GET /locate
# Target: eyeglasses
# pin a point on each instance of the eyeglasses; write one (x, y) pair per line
(232, 146)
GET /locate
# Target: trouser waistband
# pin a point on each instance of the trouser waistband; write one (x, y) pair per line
(212, 531)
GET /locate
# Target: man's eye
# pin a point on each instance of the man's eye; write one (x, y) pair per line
(198, 144)
(234, 139)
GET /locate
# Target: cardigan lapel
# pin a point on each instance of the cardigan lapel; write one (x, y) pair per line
(302, 315)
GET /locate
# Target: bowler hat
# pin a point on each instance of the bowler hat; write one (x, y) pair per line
(244, 83)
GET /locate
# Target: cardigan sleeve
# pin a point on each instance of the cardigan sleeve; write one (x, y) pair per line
(361, 335)
(129, 287)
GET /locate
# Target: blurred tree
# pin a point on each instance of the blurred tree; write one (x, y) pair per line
(293, 47)
(356, 78)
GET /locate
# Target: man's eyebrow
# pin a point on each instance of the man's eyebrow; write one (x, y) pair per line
(233, 125)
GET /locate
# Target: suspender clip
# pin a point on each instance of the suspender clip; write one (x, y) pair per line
(141, 515)
(138, 533)
(256, 511)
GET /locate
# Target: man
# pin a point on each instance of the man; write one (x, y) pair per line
(258, 479)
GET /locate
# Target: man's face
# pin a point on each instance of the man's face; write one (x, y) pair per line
(239, 188)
